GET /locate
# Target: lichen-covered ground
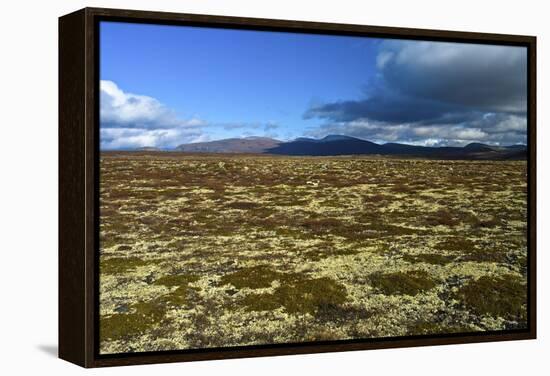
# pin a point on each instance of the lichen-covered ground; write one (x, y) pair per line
(204, 251)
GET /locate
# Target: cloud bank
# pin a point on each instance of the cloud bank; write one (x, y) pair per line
(436, 93)
(131, 121)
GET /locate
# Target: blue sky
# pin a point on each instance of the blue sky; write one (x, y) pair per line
(166, 85)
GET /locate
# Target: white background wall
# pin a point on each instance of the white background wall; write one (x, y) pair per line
(28, 185)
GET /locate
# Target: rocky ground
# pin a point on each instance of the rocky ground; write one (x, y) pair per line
(204, 251)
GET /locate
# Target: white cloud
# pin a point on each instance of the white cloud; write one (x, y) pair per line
(450, 132)
(130, 121)
(127, 110)
(512, 123)
(131, 138)
(496, 129)
(433, 142)
(382, 58)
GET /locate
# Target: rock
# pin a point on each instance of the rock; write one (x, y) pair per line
(122, 309)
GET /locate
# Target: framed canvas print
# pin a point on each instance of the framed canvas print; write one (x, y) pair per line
(235, 187)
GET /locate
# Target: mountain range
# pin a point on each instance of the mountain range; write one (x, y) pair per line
(334, 145)
(232, 145)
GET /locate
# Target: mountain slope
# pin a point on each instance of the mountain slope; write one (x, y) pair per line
(330, 145)
(232, 145)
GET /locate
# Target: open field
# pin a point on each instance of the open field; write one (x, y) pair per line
(225, 250)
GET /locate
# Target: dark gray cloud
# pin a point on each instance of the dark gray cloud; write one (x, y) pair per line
(486, 77)
(426, 91)
(388, 107)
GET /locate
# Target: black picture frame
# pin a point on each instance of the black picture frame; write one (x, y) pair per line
(79, 185)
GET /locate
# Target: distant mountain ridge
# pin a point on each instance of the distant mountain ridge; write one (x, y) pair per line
(232, 145)
(333, 145)
(329, 138)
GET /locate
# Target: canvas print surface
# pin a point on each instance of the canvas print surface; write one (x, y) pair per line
(265, 188)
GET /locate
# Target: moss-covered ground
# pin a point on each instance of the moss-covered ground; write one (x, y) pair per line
(229, 250)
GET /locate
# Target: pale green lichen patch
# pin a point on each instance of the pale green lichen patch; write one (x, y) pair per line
(120, 264)
(430, 258)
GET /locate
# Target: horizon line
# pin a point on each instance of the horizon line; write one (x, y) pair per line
(310, 138)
